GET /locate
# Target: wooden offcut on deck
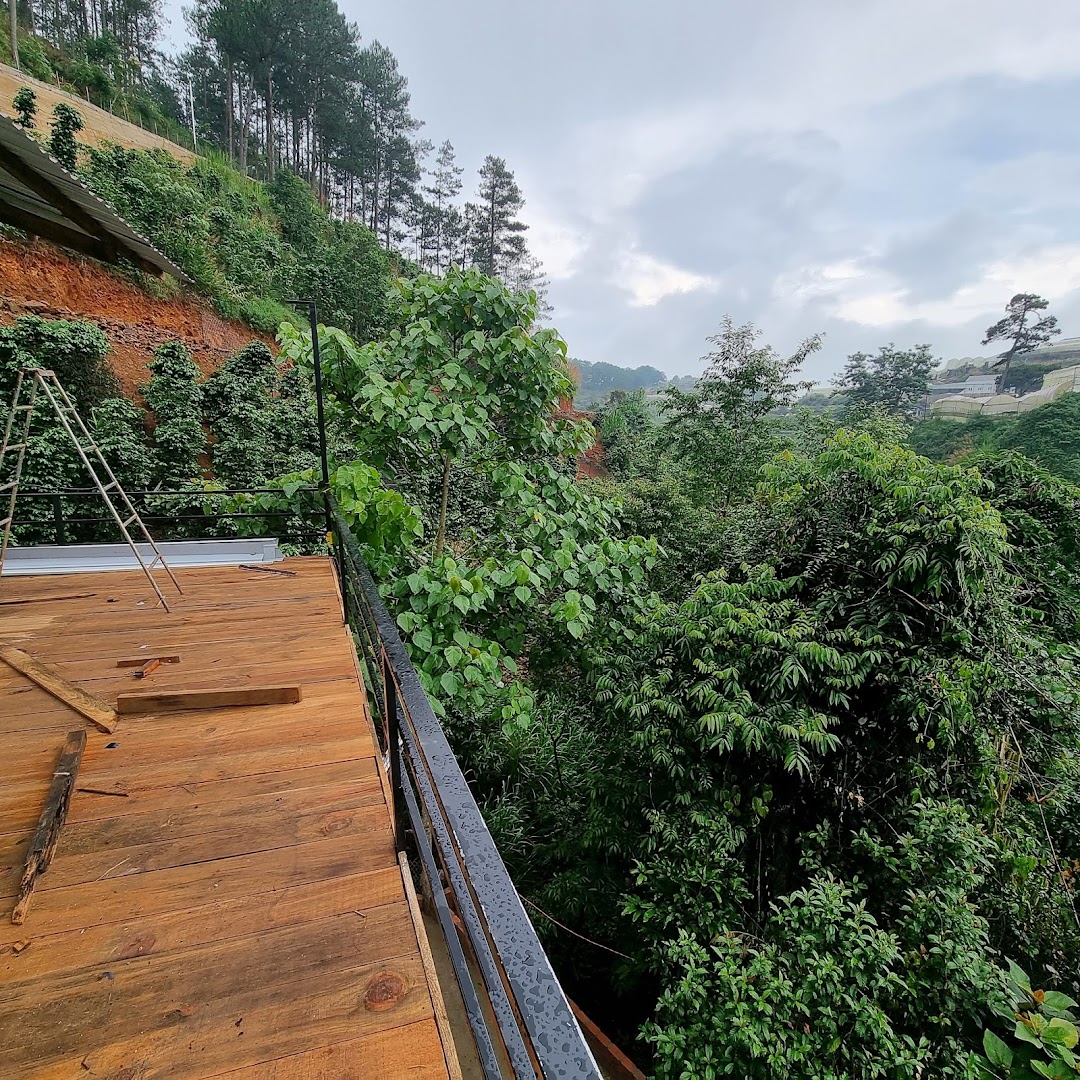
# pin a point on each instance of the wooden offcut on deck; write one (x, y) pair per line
(225, 898)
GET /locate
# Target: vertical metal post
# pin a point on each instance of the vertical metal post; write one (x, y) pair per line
(58, 519)
(317, 358)
(393, 746)
(324, 460)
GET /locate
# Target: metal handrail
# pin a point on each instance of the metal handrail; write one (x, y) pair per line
(61, 521)
(534, 1024)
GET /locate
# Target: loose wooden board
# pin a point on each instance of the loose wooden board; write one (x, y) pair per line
(176, 700)
(97, 712)
(47, 834)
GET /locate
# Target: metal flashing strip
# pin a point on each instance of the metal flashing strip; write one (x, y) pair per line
(96, 558)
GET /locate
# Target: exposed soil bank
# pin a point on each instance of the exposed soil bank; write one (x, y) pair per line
(37, 278)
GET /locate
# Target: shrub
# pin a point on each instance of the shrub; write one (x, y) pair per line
(266, 315)
(25, 102)
(66, 124)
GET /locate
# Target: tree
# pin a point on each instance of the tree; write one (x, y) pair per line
(498, 242)
(1023, 336)
(895, 380)
(445, 186)
(25, 102)
(384, 96)
(719, 431)
(822, 740)
(66, 124)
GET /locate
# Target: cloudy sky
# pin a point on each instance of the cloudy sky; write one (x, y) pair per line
(880, 170)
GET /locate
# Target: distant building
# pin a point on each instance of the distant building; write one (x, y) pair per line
(976, 401)
(973, 386)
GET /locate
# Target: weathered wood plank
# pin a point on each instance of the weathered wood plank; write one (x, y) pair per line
(266, 833)
(442, 1021)
(92, 947)
(222, 967)
(177, 888)
(412, 1051)
(97, 712)
(43, 843)
(233, 1011)
(179, 700)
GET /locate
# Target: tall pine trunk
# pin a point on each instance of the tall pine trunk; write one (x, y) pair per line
(229, 106)
(270, 124)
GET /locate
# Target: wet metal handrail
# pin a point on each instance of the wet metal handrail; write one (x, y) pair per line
(535, 1029)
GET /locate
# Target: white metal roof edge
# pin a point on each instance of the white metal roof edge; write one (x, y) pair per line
(97, 558)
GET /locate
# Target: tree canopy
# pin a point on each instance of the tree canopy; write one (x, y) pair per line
(1023, 328)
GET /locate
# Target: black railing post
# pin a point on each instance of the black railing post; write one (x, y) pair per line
(58, 519)
(324, 459)
(393, 747)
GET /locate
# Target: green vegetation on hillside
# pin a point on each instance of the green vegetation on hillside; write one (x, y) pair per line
(1049, 435)
(275, 87)
(247, 245)
(781, 714)
(596, 381)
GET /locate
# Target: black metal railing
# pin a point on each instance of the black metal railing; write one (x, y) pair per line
(534, 1030)
(62, 519)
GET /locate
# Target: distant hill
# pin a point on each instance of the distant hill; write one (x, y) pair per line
(597, 380)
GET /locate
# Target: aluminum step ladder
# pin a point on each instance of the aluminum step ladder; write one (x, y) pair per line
(28, 382)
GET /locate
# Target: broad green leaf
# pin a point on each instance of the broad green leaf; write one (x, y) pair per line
(997, 1051)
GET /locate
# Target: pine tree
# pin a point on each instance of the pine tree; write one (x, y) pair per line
(444, 188)
(1024, 337)
(498, 242)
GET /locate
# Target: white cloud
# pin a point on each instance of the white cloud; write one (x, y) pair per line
(649, 280)
(856, 291)
(556, 244)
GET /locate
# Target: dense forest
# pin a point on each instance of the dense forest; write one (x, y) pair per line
(776, 725)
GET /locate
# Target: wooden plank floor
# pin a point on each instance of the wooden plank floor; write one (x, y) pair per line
(238, 910)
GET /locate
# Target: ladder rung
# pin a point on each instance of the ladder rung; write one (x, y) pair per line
(112, 484)
(22, 408)
(134, 517)
(8, 484)
(14, 446)
(7, 521)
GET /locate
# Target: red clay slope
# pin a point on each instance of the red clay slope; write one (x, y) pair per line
(37, 278)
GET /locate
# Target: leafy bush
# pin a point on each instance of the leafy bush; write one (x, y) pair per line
(1045, 1034)
(76, 351)
(33, 60)
(265, 315)
(174, 396)
(66, 124)
(25, 103)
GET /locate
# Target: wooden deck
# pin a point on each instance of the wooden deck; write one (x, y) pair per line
(239, 909)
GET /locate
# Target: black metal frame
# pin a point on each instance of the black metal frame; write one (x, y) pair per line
(535, 1029)
(314, 535)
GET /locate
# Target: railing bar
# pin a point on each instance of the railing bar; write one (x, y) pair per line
(489, 1060)
(490, 967)
(209, 518)
(555, 1033)
(82, 493)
